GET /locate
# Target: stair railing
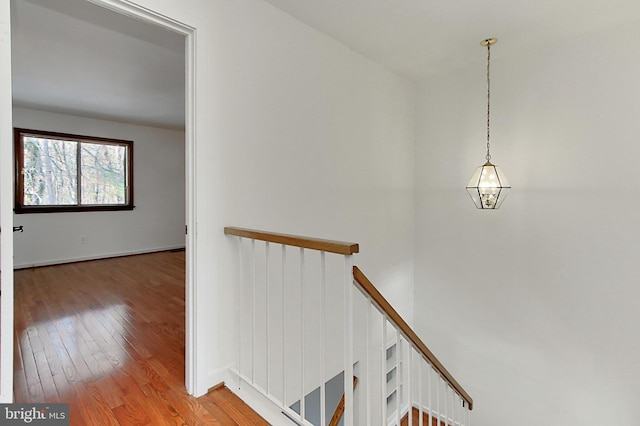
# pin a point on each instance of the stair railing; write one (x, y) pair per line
(424, 392)
(300, 323)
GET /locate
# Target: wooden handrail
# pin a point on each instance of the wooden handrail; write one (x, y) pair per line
(393, 315)
(294, 240)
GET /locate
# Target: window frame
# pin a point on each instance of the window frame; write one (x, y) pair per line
(19, 208)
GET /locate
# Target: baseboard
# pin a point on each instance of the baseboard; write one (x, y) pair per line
(214, 379)
(254, 399)
(96, 257)
(261, 404)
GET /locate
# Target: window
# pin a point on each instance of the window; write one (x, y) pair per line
(57, 172)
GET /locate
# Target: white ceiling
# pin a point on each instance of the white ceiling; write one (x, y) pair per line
(417, 38)
(74, 57)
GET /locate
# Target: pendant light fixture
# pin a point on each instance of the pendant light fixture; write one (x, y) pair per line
(488, 186)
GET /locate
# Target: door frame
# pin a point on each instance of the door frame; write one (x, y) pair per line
(6, 190)
(6, 208)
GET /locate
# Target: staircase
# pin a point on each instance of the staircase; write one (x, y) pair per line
(415, 419)
(306, 314)
(334, 406)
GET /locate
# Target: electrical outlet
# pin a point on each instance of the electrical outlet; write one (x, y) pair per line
(83, 239)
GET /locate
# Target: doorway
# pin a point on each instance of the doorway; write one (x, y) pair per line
(145, 17)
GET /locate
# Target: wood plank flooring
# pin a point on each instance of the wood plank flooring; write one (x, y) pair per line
(108, 337)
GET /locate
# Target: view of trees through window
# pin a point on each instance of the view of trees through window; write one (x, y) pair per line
(103, 174)
(50, 172)
(59, 171)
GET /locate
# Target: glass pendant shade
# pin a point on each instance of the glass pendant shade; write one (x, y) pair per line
(488, 187)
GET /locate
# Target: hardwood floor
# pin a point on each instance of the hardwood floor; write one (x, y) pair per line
(108, 337)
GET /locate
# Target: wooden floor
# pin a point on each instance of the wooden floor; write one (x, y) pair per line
(108, 337)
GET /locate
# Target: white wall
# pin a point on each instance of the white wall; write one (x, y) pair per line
(534, 307)
(320, 142)
(156, 223)
(298, 134)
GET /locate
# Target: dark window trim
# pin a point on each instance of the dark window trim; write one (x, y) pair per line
(19, 176)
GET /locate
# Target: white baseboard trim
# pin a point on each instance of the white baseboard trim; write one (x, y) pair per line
(261, 404)
(96, 257)
(214, 379)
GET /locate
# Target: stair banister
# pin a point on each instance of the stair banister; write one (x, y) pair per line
(440, 403)
(393, 315)
(303, 243)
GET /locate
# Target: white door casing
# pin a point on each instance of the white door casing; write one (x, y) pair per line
(6, 190)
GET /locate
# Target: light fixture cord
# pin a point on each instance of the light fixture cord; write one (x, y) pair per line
(488, 157)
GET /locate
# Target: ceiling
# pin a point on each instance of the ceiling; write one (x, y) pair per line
(74, 57)
(418, 38)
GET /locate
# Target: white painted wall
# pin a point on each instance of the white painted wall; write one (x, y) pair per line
(534, 307)
(298, 134)
(157, 222)
(320, 142)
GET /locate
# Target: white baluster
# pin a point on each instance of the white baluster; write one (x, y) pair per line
(454, 408)
(410, 383)
(240, 310)
(398, 376)
(438, 410)
(284, 340)
(420, 412)
(323, 284)
(253, 310)
(468, 417)
(429, 392)
(368, 358)
(302, 321)
(447, 400)
(266, 248)
(383, 374)
(463, 409)
(348, 341)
